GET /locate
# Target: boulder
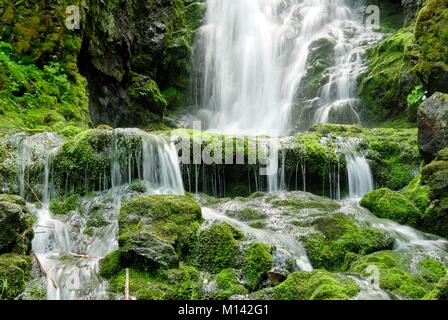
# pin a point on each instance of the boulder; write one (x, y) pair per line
(14, 274)
(155, 231)
(432, 120)
(16, 222)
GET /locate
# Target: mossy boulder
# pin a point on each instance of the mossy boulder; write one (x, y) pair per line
(156, 231)
(216, 247)
(14, 274)
(316, 285)
(384, 88)
(431, 33)
(339, 241)
(110, 265)
(16, 225)
(395, 276)
(257, 262)
(173, 284)
(440, 292)
(388, 204)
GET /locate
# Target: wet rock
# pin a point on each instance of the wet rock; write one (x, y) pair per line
(277, 276)
(16, 222)
(155, 231)
(433, 125)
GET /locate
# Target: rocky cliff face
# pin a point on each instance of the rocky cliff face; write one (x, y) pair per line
(134, 55)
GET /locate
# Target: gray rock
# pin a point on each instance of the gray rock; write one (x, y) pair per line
(432, 121)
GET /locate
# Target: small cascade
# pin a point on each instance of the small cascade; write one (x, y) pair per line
(287, 244)
(68, 248)
(360, 177)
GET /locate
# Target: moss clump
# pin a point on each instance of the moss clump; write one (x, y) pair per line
(432, 270)
(316, 285)
(228, 285)
(14, 274)
(257, 262)
(388, 204)
(384, 89)
(419, 195)
(173, 284)
(110, 265)
(157, 230)
(247, 214)
(63, 205)
(83, 162)
(440, 292)
(216, 247)
(322, 204)
(340, 241)
(394, 275)
(431, 33)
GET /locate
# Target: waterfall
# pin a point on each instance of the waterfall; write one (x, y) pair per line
(64, 247)
(251, 56)
(360, 178)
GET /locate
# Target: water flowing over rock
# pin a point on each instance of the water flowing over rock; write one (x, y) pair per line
(251, 57)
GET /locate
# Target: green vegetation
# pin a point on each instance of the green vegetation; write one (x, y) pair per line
(257, 262)
(385, 203)
(340, 241)
(216, 247)
(395, 276)
(63, 205)
(316, 285)
(14, 273)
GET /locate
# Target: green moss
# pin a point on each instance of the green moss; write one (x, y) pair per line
(257, 262)
(325, 204)
(340, 241)
(110, 265)
(228, 285)
(316, 285)
(247, 214)
(388, 204)
(63, 205)
(394, 276)
(432, 270)
(174, 284)
(39, 99)
(418, 194)
(384, 89)
(14, 274)
(158, 229)
(431, 33)
(440, 292)
(216, 247)
(137, 186)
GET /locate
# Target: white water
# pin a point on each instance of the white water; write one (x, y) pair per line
(251, 56)
(360, 177)
(287, 243)
(66, 254)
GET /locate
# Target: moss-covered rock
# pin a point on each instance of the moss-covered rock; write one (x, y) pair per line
(257, 262)
(440, 292)
(340, 241)
(388, 204)
(316, 285)
(16, 225)
(110, 265)
(156, 230)
(14, 273)
(216, 247)
(395, 276)
(63, 205)
(174, 284)
(432, 37)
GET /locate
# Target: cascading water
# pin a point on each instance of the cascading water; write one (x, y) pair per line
(68, 249)
(360, 178)
(251, 56)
